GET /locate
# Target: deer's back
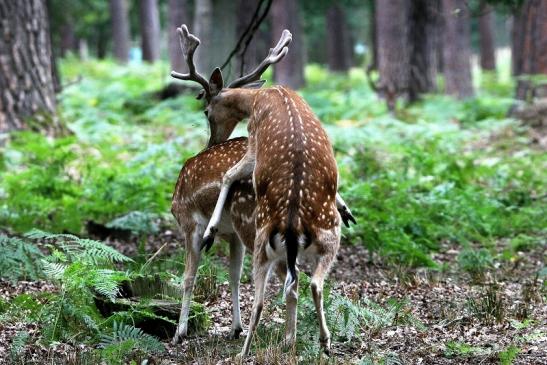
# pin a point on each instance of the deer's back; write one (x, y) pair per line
(295, 173)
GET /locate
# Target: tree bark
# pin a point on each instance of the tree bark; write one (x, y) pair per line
(203, 29)
(486, 33)
(457, 49)
(338, 43)
(392, 32)
(120, 30)
(69, 42)
(289, 71)
(150, 30)
(423, 65)
(373, 36)
(178, 14)
(533, 54)
(26, 85)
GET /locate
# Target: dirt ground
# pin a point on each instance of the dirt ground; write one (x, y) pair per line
(458, 319)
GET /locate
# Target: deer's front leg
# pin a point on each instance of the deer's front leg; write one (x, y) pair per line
(243, 168)
(344, 211)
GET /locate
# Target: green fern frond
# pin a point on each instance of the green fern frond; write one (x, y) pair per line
(54, 270)
(123, 332)
(18, 344)
(18, 259)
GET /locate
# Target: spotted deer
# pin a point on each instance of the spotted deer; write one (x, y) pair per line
(199, 184)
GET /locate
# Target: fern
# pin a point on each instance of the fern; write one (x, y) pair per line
(122, 333)
(18, 344)
(80, 249)
(18, 259)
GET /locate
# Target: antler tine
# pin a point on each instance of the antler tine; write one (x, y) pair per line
(189, 43)
(274, 56)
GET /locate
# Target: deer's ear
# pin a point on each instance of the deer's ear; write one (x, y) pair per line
(254, 84)
(216, 83)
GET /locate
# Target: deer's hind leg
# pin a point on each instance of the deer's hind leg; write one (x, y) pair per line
(237, 253)
(261, 271)
(328, 242)
(193, 233)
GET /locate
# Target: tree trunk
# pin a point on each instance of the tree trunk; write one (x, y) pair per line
(486, 33)
(422, 30)
(392, 32)
(69, 42)
(457, 49)
(120, 30)
(203, 29)
(150, 30)
(373, 37)
(178, 14)
(533, 53)
(338, 44)
(517, 43)
(290, 71)
(26, 85)
(224, 37)
(250, 60)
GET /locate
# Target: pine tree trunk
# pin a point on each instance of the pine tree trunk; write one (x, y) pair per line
(486, 33)
(338, 44)
(423, 65)
(120, 30)
(533, 49)
(517, 43)
(203, 29)
(178, 14)
(392, 32)
(457, 49)
(373, 36)
(26, 85)
(290, 71)
(69, 42)
(150, 30)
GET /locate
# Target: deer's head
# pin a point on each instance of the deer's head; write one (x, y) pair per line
(222, 106)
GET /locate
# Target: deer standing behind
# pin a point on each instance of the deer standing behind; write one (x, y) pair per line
(295, 179)
(198, 187)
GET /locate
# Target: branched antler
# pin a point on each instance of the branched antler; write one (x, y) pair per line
(188, 44)
(274, 55)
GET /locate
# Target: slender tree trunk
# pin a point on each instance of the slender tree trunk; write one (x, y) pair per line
(203, 29)
(224, 36)
(373, 36)
(457, 49)
(120, 30)
(392, 32)
(55, 76)
(533, 49)
(150, 30)
(338, 43)
(422, 30)
(290, 71)
(245, 12)
(517, 42)
(26, 85)
(102, 42)
(178, 14)
(486, 32)
(69, 42)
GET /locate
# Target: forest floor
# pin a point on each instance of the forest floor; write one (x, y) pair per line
(442, 317)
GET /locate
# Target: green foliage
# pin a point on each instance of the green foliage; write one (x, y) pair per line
(18, 344)
(509, 355)
(123, 340)
(460, 349)
(19, 259)
(475, 262)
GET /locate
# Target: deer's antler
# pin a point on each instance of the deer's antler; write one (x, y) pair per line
(274, 55)
(188, 44)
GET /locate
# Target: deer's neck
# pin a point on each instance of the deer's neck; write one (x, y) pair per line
(241, 100)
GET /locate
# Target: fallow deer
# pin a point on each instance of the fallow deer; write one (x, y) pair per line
(199, 183)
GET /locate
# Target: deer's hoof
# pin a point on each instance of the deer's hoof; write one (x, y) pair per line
(208, 239)
(234, 333)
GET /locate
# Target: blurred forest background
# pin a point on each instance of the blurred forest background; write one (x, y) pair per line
(437, 110)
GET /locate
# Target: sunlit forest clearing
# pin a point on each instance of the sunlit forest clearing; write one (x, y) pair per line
(445, 264)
